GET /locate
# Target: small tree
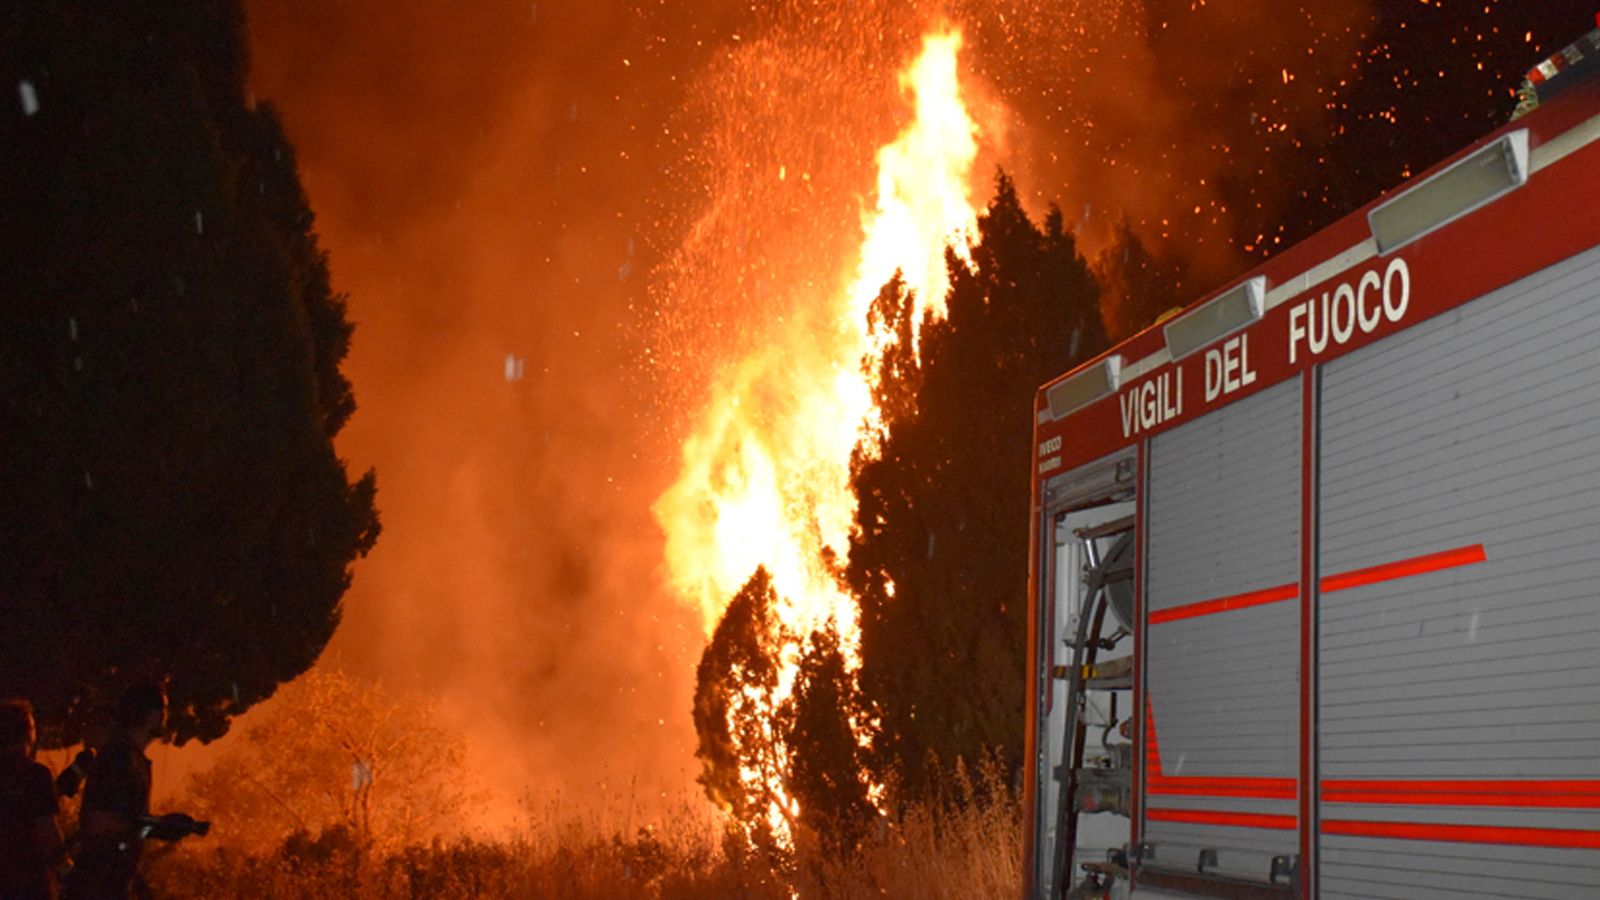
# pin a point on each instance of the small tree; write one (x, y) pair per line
(742, 759)
(827, 767)
(333, 752)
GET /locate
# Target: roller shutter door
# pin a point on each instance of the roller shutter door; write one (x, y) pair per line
(1222, 742)
(1459, 667)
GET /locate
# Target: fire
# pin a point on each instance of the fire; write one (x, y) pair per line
(765, 472)
(923, 186)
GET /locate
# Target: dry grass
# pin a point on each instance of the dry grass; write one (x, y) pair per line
(968, 846)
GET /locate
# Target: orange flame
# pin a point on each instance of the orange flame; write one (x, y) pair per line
(765, 476)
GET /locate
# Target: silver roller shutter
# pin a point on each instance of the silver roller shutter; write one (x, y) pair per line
(1223, 687)
(1478, 428)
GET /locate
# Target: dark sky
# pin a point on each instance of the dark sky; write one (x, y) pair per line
(523, 179)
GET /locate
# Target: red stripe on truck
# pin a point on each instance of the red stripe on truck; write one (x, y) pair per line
(1465, 798)
(1227, 604)
(1462, 784)
(1238, 819)
(1259, 788)
(1527, 794)
(1405, 568)
(1467, 834)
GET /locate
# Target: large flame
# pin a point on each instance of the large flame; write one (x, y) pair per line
(765, 478)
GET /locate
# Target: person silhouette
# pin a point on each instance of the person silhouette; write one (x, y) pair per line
(30, 838)
(116, 801)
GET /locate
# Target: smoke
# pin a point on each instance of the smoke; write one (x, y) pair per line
(558, 221)
(481, 182)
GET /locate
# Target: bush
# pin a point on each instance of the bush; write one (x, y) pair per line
(336, 767)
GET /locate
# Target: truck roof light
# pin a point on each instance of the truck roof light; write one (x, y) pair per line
(1481, 178)
(1552, 77)
(1086, 387)
(1569, 56)
(1220, 316)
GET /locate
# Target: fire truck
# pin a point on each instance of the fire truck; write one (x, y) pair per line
(1315, 580)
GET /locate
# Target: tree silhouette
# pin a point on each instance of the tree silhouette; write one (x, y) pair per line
(169, 373)
(1136, 286)
(827, 770)
(938, 557)
(795, 756)
(735, 711)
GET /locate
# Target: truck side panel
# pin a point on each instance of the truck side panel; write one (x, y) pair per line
(1221, 745)
(1459, 677)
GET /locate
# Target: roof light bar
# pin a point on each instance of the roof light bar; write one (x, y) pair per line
(1576, 62)
(1467, 185)
(1570, 57)
(1086, 387)
(1220, 316)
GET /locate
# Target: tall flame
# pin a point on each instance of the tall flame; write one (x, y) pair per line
(765, 477)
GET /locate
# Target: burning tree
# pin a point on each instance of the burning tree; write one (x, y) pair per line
(938, 556)
(742, 756)
(827, 769)
(782, 758)
(882, 430)
(765, 485)
(937, 559)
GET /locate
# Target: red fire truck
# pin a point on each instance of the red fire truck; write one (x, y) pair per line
(1315, 599)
